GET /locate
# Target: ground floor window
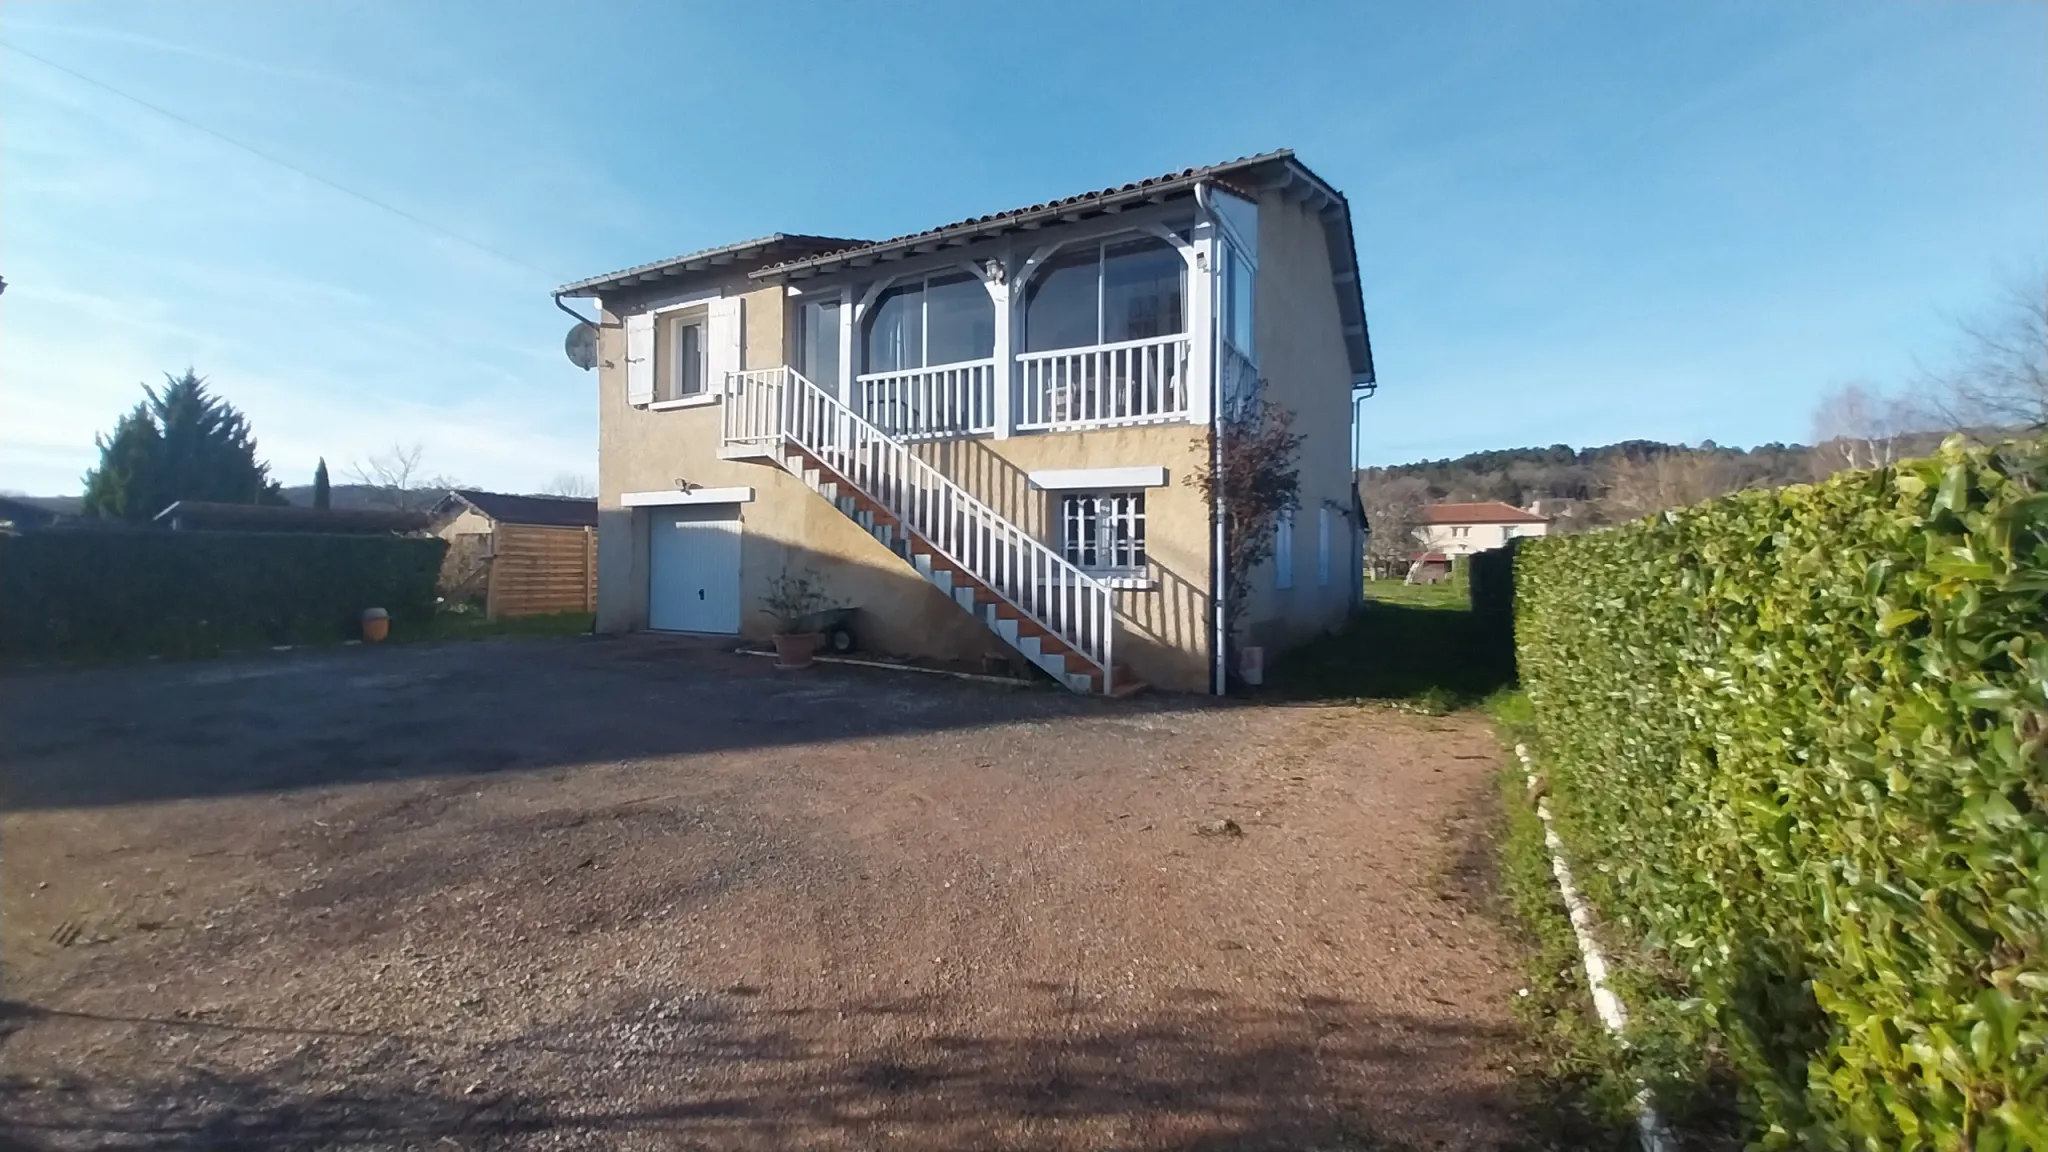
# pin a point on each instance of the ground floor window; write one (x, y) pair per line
(1103, 531)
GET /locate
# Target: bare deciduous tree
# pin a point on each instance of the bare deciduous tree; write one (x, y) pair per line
(1857, 426)
(1634, 488)
(571, 484)
(399, 480)
(1393, 512)
(2001, 379)
(1259, 484)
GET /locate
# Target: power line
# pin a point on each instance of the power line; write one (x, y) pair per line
(260, 154)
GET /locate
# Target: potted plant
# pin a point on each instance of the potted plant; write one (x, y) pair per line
(794, 601)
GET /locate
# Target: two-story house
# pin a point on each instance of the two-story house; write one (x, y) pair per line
(986, 436)
(1479, 526)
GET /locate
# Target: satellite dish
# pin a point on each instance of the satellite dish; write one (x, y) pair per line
(581, 345)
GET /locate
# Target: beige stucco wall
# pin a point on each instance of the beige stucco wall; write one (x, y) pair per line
(468, 522)
(786, 525)
(1479, 537)
(1165, 635)
(1165, 632)
(1302, 357)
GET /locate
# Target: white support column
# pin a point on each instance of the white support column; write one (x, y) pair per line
(1202, 272)
(995, 276)
(846, 323)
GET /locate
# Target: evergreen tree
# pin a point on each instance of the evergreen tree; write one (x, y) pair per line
(323, 490)
(123, 486)
(182, 443)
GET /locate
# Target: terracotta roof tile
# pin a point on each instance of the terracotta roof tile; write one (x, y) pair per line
(1188, 176)
(1479, 512)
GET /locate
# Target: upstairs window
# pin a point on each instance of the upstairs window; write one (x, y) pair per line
(818, 342)
(1104, 532)
(1104, 293)
(682, 359)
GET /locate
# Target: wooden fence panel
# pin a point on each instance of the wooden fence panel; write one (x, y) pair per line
(541, 570)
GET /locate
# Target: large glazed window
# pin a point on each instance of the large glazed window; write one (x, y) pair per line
(1141, 290)
(926, 323)
(1130, 289)
(895, 336)
(1062, 304)
(959, 320)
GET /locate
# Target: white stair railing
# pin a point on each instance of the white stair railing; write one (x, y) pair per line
(1042, 585)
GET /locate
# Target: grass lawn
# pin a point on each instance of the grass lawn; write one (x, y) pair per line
(473, 626)
(1449, 594)
(1418, 643)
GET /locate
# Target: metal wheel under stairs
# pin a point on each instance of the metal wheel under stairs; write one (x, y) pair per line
(1027, 637)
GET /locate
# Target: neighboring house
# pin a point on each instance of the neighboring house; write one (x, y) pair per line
(1462, 529)
(522, 555)
(983, 436)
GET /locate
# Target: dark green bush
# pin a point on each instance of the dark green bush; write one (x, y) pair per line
(1796, 745)
(1491, 577)
(90, 593)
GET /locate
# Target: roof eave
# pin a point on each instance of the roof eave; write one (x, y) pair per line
(708, 260)
(1071, 209)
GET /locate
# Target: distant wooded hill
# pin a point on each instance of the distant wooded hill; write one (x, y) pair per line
(361, 496)
(1561, 472)
(1582, 486)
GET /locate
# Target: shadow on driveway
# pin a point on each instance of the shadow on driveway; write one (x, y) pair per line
(277, 722)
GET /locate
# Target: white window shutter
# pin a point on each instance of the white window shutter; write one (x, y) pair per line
(727, 340)
(640, 359)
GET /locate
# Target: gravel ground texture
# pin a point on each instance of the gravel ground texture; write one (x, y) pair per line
(644, 893)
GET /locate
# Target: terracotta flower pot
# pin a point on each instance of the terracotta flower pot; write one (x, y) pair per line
(794, 650)
(376, 624)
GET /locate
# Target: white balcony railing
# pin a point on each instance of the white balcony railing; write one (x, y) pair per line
(1131, 382)
(929, 403)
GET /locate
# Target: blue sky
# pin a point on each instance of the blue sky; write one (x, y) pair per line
(1577, 222)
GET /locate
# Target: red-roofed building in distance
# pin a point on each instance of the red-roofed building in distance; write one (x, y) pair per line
(1462, 529)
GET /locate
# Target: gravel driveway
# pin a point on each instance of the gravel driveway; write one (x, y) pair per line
(642, 894)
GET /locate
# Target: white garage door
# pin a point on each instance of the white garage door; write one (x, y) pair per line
(693, 569)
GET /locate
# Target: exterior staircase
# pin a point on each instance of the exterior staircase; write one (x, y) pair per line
(1050, 612)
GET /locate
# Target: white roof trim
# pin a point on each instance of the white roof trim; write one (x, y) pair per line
(1068, 479)
(671, 496)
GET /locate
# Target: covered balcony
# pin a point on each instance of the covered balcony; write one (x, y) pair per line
(1089, 332)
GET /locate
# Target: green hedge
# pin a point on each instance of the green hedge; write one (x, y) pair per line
(95, 593)
(1796, 747)
(1491, 576)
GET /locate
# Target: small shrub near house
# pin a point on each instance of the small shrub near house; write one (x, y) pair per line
(1797, 743)
(84, 594)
